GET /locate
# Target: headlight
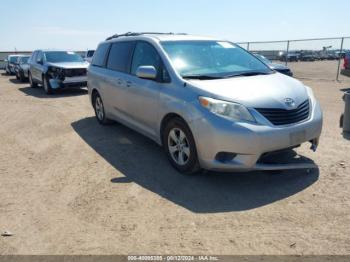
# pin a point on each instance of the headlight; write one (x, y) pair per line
(310, 92)
(226, 109)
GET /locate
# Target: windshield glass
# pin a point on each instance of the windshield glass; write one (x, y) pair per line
(13, 59)
(263, 58)
(62, 56)
(212, 58)
(24, 59)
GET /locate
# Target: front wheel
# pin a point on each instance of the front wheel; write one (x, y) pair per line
(21, 76)
(31, 82)
(180, 147)
(47, 86)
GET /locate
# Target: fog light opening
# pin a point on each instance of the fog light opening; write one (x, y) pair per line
(225, 156)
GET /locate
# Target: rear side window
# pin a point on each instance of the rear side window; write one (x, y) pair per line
(120, 56)
(99, 57)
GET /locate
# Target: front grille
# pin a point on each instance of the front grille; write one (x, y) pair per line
(278, 116)
(75, 72)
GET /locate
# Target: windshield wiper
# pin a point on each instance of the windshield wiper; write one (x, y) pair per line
(254, 73)
(201, 77)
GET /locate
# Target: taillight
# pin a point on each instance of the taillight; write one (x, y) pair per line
(346, 62)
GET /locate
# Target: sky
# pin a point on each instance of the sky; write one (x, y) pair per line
(82, 24)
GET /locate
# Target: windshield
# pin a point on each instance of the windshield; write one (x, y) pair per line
(13, 59)
(263, 58)
(62, 56)
(212, 59)
(24, 59)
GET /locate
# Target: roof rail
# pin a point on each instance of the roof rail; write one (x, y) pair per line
(142, 33)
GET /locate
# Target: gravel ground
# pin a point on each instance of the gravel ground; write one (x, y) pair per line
(70, 186)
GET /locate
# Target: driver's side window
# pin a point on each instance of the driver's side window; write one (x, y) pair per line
(39, 57)
(146, 55)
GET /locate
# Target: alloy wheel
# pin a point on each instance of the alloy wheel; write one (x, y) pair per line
(179, 147)
(99, 108)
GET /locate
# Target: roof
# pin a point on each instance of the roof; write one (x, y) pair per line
(17, 55)
(159, 37)
(53, 50)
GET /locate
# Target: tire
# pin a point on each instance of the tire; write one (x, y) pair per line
(21, 76)
(99, 109)
(17, 75)
(180, 146)
(31, 81)
(47, 86)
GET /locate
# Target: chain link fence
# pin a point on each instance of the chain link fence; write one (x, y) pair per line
(317, 58)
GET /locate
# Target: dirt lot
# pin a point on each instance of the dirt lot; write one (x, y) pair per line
(68, 185)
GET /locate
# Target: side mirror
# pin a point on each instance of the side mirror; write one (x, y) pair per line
(146, 72)
(40, 62)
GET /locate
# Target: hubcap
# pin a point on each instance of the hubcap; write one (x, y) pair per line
(99, 108)
(178, 146)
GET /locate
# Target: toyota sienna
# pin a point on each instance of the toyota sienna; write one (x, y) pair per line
(209, 103)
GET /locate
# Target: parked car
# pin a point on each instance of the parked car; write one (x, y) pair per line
(10, 64)
(57, 69)
(290, 57)
(307, 56)
(209, 103)
(22, 68)
(346, 70)
(274, 66)
(88, 55)
(332, 56)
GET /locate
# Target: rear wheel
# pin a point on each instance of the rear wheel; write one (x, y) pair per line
(47, 86)
(17, 75)
(31, 82)
(180, 146)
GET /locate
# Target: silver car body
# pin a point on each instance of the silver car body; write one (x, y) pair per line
(11, 63)
(37, 70)
(144, 105)
(22, 67)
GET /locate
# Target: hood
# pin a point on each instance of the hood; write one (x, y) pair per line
(70, 65)
(261, 91)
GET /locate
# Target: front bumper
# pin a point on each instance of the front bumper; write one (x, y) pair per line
(249, 142)
(80, 81)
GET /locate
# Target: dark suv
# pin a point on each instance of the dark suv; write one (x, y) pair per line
(57, 69)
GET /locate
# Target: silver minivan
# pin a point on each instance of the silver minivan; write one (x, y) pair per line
(208, 102)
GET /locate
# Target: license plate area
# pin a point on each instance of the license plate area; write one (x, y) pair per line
(75, 79)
